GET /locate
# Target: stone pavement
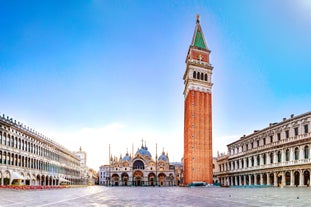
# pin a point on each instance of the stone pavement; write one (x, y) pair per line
(98, 196)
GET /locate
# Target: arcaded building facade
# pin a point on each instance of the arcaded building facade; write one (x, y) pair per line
(30, 158)
(278, 155)
(140, 170)
(198, 160)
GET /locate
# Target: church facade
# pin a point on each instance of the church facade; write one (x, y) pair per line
(140, 170)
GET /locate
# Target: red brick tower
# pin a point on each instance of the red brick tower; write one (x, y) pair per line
(198, 157)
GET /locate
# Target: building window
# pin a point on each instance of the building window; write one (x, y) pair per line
(252, 161)
(279, 136)
(271, 139)
(202, 76)
(205, 77)
(247, 162)
(287, 155)
(306, 128)
(279, 156)
(258, 160)
(296, 131)
(264, 141)
(252, 145)
(257, 143)
(242, 163)
(194, 74)
(271, 157)
(264, 159)
(306, 152)
(296, 153)
(287, 133)
(198, 75)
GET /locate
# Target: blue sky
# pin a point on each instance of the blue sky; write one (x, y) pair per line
(94, 73)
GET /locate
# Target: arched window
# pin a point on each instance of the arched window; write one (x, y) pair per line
(306, 152)
(279, 156)
(258, 160)
(194, 74)
(202, 76)
(252, 161)
(296, 153)
(205, 77)
(287, 155)
(247, 164)
(198, 75)
(138, 164)
(271, 157)
(264, 159)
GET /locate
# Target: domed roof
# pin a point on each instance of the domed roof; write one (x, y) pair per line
(126, 158)
(143, 151)
(163, 157)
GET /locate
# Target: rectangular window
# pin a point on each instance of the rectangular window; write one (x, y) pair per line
(306, 128)
(264, 141)
(271, 139)
(279, 136)
(296, 131)
(287, 133)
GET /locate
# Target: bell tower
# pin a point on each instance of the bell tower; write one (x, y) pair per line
(198, 157)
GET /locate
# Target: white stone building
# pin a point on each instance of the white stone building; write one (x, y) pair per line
(278, 155)
(29, 158)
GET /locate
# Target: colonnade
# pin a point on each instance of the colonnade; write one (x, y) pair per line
(291, 177)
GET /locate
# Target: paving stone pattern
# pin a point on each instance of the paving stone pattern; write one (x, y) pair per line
(99, 196)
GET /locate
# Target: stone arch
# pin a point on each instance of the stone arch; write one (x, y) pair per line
(264, 179)
(271, 179)
(138, 178)
(151, 179)
(115, 179)
(194, 74)
(205, 77)
(296, 178)
(287, 178)
(6, 177)
(138, 164)
(306, 179)
(125, 179)
(42, 180)
(161, 179)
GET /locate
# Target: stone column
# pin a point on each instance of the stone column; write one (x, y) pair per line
(292, 178)
(283, 178)
(301, 153)
(291, 154)
(275, 179)
(244, 179)
(236, 180)
(283, 155)
(261, 179)
(268, 178)
(249, 180)
(301, 178)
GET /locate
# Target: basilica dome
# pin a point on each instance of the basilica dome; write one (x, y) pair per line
(126, 158)
(163, 157)
(143, 151)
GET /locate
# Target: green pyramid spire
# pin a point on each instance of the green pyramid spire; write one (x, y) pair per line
(198, 37)
(199, 42)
